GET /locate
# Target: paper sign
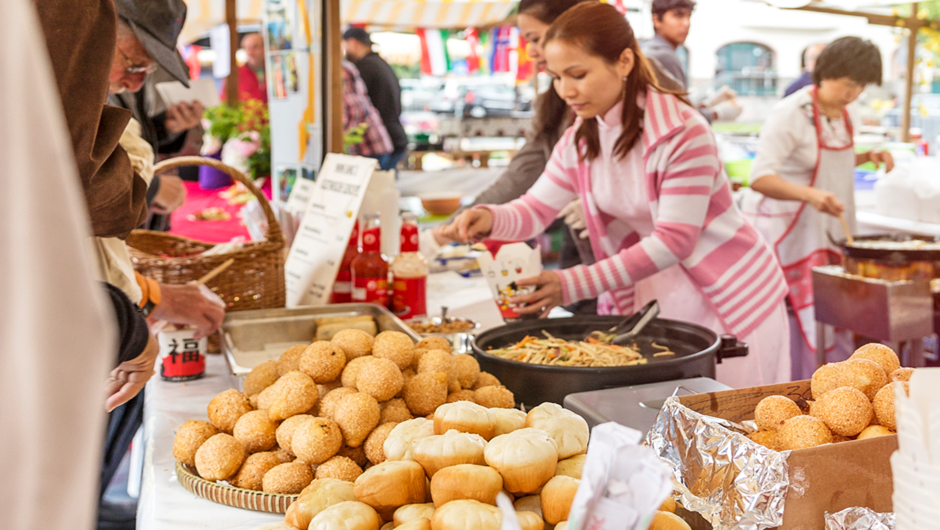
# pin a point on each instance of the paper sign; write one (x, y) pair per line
(300, 195)
(511, 263)
(201, 90)
(220, 44)
(324, 232)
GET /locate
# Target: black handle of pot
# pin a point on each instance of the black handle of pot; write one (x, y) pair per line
(730, 347)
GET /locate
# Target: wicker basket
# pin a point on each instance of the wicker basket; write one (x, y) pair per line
(254, 281)
(232, 496)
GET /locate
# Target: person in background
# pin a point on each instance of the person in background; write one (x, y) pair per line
(659, 212)
(802, 181)
(384, 90)
(252, 83)
(358, 110)
(672, 20)
(810, 54)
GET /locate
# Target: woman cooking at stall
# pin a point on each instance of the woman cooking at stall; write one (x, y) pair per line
(806, 157)
(658, 210)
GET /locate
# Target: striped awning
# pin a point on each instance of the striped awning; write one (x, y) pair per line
(405, 14)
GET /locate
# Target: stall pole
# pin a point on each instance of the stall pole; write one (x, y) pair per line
(909, 75)
(231, 83)
(334, 57)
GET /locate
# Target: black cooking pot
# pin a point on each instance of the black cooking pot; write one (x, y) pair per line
(890, 255)
(697, 350)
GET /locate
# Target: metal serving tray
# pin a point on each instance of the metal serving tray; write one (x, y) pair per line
(249, 338)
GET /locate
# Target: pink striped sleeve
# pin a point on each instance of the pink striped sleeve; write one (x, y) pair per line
(680, 216)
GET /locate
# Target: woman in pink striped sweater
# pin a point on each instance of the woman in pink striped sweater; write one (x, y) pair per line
(658, 209)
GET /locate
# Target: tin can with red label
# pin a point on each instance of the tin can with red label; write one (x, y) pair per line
(182, 357)
(410, 297)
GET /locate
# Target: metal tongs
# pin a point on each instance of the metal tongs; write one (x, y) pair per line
(628, 329)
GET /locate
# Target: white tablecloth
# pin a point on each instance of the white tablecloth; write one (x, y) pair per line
(164, 504)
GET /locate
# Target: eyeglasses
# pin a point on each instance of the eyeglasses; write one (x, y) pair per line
(133, 69)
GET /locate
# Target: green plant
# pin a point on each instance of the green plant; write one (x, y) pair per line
(247, 122)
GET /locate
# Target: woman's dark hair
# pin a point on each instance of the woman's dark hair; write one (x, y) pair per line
(550, 110)
(851, 57)
(602, 31)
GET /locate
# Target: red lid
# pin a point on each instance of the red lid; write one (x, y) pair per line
(372, 239)
(409, 237)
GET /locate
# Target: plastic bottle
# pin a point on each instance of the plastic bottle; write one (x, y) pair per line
(370, 267)
(342, 287)
(409, 274)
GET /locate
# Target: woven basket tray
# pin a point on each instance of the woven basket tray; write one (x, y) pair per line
(232, 496)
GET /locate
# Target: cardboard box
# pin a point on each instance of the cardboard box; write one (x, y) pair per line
(823, 479)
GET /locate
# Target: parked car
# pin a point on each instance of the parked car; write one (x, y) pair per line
(479, 99)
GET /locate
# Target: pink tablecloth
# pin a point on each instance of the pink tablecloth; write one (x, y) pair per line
(197, 200)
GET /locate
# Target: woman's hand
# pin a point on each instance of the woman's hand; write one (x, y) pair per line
(824, 201)
(547, 296)
(130, 377)
(882, 157)
(469, 225)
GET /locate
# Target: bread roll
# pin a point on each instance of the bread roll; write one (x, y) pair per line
(557, 496)
(399, 445)
(526, 459)
(508, 420)
(392, 484)
(416, 524)
(668, 521)
(465, 481)
(530, 521)
(348, 515)
(571, 467)
(410, 512)
(465, 416)
(530, 503)
(466, 515)
(318, 496)
(450, 449)
(568, 429)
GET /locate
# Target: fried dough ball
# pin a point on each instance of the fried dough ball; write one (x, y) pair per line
(290, 359)
(331, 400)
(189, 437)
(260, 377)
(285, 431)
(323, 361)
(461, 395)
(883, 405)
(255, 431)
(498, 397)
(825, 378)
(356, 343)
(435, 343)
(394, 346)
(294, 393)
(864, 375)
(766, 438)
(880, 354)
(357, 414)
(225, 409)
(339, 467)
(356, 454)
(395, 411)
(351, 372)
(252, 472)
(425, 392)
(468, 370)
(486, 379)
(439, 361)
(802, 432)
(419, 352)
(846, 410)
(380, 379)
(253, 401)
(283, 455)
(901, 374)
(375, 442)
(316, 440)
(874, 431)
(219, 457)
(287, 479)
(772, 411)
(408, 373)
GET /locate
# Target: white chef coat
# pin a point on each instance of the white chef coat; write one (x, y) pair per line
(57, 335)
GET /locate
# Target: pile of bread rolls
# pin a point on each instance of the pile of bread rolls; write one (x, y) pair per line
(852, 400)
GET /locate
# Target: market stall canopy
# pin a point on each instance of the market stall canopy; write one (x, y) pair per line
(399, 14)
(405, 14)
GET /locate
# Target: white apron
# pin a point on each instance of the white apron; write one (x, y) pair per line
(798, 232)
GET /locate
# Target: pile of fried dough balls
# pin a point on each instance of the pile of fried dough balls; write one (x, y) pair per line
(370, 431)
(852, 400)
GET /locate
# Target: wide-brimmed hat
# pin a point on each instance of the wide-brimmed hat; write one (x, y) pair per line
(158, 23)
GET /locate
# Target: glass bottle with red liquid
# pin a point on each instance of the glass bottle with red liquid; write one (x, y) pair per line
(342, 287)
(409, 274)
(370, 267)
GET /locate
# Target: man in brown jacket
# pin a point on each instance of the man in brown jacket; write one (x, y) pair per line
(80, 37)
